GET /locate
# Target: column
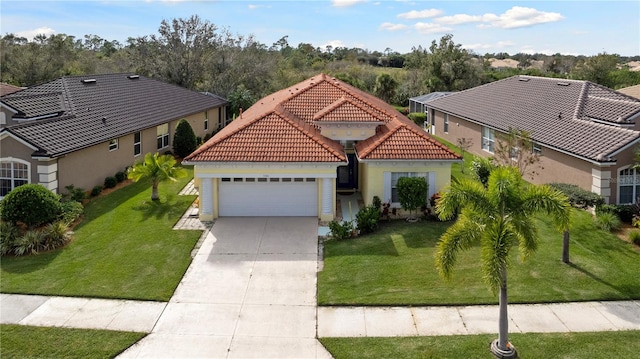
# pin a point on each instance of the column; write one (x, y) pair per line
(327, 199)
(206, 199)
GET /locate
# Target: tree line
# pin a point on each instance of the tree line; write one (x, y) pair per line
(198, 55)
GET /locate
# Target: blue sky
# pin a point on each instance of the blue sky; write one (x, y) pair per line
(568, 27)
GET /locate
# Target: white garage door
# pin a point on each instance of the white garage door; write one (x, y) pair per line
(247, 197)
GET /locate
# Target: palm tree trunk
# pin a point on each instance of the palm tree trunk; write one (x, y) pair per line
(503, 321)
(565, 247)
(154, 191)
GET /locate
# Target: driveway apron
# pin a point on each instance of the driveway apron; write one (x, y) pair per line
(250, 292)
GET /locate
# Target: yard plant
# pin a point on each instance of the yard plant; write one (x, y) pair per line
(158, 168)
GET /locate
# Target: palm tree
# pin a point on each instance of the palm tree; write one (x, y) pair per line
(498, 217)
(159, 168)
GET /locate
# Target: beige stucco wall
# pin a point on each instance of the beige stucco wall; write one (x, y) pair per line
(10, 149)
(373, 175)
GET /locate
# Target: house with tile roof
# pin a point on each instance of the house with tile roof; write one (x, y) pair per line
(292, 151)
(6, 89)
(633, 91)
(78, 130)
(585, 134)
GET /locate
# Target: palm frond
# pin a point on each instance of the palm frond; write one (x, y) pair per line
(460, 236)
(497, 241)
(458, 195)
(527, 234)
(546, 199)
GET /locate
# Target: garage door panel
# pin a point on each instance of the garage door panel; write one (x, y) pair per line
(268, 199)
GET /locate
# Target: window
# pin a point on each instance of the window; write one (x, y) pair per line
(163, 136)
(113, 144)
(446, 123)
(206, 121)
(536, 149)
(628, 186)
(137, 143)
(488, 139)
(12, 175)
(394, 182)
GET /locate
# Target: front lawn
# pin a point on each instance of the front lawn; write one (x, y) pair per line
(125, 247)
(600, 345)
(18, 342)
(395, 266)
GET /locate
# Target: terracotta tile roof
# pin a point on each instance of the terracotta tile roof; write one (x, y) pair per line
(579, 117)
(128, 103)
(283, 127)
(6, 89)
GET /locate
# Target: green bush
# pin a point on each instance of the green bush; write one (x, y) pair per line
(481, 168)
(367, 219)
(56, 235)
(184, 141)
(607, 221)
(31, 204)
(634, 237)
(341, 231)
(110, 182)
(74, 194)
(412, 192)
(418, 117)
(9, 233)
(377, 203)
(71, 211)
(120, 176)
(579, 197)
(96, 190)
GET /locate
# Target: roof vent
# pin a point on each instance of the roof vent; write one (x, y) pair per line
(89, 81)
(133, 77)
(523, 79)
(563, 84)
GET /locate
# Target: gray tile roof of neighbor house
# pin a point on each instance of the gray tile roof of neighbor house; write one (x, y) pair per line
(93, 109)
(579, 117)
(429, 97)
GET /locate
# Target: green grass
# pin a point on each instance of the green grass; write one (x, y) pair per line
(396, 266)
(125, 247)
(601, 345)
(18, 342)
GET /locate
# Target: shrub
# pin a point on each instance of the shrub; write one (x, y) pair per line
(579, 197)
(609, 208)
(29, 243)
(56, 235)
(74, 194)
(110, 182)
(184, 141)
(71, 211)
(626, 212)
(120, 176)
(9, 233)
(412, 192)
(481, 168)
(607, 221)
(341, 231)
(418, 117)
(634, 237)
(377, 203)
(96, 190)
(31, 204)
(367, 219)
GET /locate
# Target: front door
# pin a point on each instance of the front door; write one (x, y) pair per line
(348, 175)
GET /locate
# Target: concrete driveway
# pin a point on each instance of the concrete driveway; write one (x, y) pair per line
(249, 293)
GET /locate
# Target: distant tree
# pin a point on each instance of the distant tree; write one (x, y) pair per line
(449, 67)
(464, 144)
(598, 69)
(158, 168)
(515, 149)
(240, 98)
(385, 87)
(184, 140)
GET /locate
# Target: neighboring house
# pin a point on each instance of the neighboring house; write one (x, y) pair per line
(292, 151)
(633, 91)
(6, 89)
(586, 134)
(419, 104)
(77, 130)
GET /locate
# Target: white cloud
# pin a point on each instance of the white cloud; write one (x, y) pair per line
(422, 14)
(498, 45)
(254, 7)
(392, 27)
(346, 3)
(513, 18)
(30, 34)
(430, 28)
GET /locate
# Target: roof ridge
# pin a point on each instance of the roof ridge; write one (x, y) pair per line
(582, 98)
(391, 128)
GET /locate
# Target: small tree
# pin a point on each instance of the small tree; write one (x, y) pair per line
(412, 193)
(515, 149)
(157, 167)
(184, 141)
(464, 144)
